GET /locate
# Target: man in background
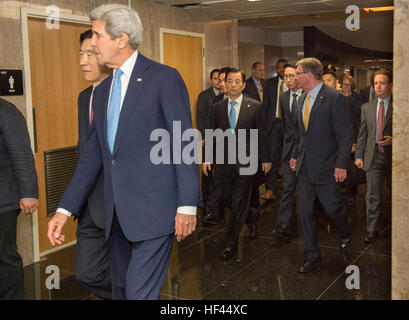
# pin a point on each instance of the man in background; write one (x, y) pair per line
(92, 263)
(18, 192)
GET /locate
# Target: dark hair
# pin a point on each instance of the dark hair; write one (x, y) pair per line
(331, 73)
(224, 70)
(386, 73)
(330, 68)
(236, 70)
(281, 60)
(289, 65)
(214, 71)
(255, 64)
(85, 35)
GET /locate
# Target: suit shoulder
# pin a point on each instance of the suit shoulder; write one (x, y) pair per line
(85, 92)
(9, 109)
(251, 101)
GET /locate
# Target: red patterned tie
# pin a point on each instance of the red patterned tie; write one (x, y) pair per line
(381, 120)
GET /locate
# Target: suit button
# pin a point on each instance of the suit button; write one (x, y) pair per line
(113, 161)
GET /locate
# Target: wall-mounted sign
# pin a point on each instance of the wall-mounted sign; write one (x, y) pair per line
(11, 82)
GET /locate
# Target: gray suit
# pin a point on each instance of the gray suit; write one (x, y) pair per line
(376, 165)
(18, 179)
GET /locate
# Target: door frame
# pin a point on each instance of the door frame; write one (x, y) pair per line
(26, 13)
(186, 33)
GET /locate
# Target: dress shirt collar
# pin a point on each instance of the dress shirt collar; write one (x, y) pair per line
(314, 92)
(238, 101)
(128, 65)
(385, 101)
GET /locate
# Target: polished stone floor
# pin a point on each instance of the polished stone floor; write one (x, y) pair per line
(264, 268)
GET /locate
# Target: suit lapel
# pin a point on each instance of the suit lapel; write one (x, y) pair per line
(243, 109)
(388, 114)
(137, 81)
(225, 113)
(299, 112)
(317, 104)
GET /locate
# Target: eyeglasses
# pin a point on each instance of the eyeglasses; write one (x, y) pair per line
(298, 73)
(289, 76)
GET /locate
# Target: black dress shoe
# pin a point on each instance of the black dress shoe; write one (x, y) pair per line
(371, 236)
(227, 253)
(309, 266)
(209, 218)
(280, 232)
(252, 231)
(345, 242)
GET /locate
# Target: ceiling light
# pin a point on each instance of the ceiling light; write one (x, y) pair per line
(378, 9)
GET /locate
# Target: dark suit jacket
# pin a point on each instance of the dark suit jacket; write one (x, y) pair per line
(290, 124)
(270, 102)
(250, 117)
(145, 193)
(251, 90)
(327, 143)
(96, 197)
(203, 104)
(366, 144)
(354, 105)
(18, 177)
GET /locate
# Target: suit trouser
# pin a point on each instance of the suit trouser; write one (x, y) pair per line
(276, 147)
(287, 195)
(93, 263)
(138, 268)
(237, 192)
(330, 198)
(374, 179)
(11, 264)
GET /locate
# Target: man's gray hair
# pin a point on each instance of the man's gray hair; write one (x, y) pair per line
(119, 19)
(312, 65)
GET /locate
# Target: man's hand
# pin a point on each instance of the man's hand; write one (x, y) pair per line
(353, 149)
(293, 164)
(28, 206)
(55, 227)
(359, 164)
(266, 166)
(387, 141)
(185, 224)
(340, 174)
(206, 167)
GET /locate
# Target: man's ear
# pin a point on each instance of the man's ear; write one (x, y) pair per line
(123, 40)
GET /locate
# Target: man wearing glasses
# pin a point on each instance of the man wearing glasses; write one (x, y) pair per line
(320, 157)
(289, 106)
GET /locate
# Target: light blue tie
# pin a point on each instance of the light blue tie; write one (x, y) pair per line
(114, 109)
(232, 115)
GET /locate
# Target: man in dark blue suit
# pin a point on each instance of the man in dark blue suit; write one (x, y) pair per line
(146, 200)
(320, 156)
(92, 264)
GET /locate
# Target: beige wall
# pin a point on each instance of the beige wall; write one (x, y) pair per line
(220, 37)
(400, 154)
(248, 54)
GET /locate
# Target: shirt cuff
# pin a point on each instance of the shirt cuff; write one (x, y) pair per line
(63, 211)
(187, 210)
(359, 159)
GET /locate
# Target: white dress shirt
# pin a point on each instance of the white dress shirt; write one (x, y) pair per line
(127, 68)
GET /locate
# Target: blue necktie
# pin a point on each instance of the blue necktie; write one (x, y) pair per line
(232, 115)
(114, 110)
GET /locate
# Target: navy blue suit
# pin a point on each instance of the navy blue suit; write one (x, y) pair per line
(141, 198)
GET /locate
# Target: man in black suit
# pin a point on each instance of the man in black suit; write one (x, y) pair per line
(92, 263)
(203, 105)
(18, 192)
(289, 107)
(368, 93)
(320, 156)
(274, 127)
(255, 85)
(205, 101)
(374, 148)
(236, 116)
